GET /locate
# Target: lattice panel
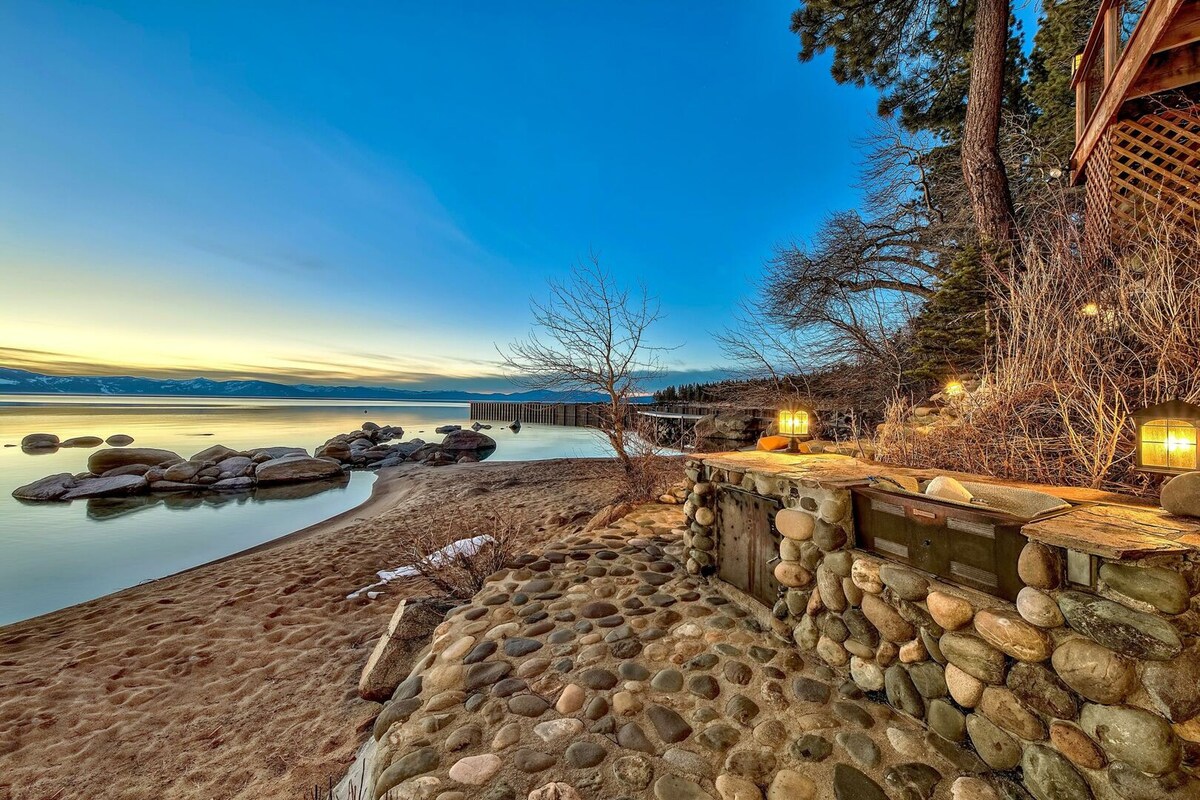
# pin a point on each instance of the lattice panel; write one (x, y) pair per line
(1153, 170)
(1097, 231)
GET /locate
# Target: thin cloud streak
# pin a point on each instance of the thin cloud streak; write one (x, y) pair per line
(325, 373)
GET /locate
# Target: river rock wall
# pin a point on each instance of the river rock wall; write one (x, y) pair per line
(1086, 690)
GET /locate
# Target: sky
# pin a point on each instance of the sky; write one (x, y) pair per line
(372, 193)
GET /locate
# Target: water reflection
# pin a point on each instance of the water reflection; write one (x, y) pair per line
(101, 508)
(104, 508)
(55, 554)
(296, 491)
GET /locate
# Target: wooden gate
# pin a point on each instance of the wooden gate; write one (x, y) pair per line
(747, 543)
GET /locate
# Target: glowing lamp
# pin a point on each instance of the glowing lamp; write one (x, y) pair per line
(794, 425)
(954, 389)
(1090, 310)
(1166, 437)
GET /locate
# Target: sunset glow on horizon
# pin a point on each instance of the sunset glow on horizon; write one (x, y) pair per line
(372, 196)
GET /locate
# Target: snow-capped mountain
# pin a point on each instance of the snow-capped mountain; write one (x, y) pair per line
(19, 381)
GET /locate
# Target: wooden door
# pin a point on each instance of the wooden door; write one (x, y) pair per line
(748, 546)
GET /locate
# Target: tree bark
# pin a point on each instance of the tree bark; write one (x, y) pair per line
(983, 169)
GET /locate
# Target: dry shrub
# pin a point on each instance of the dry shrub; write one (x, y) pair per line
(651, 469)
(1077, 350)
(461, 575)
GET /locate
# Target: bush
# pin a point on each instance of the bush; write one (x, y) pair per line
(1078, 349)
(650, 470)
(461, 573)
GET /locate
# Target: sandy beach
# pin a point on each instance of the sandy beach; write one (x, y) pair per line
(238, 679)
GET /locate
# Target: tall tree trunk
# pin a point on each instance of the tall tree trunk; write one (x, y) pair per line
(983, 169)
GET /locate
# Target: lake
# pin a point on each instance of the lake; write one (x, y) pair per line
(54, 555)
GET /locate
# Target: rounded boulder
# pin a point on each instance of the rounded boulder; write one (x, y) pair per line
(102, 461)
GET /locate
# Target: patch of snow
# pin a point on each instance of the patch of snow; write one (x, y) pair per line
(7, 382)
(461, 548)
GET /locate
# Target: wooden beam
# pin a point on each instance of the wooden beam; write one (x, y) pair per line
(1154, 21)
(1169, 70)
(1185, 28)
(1080, 109)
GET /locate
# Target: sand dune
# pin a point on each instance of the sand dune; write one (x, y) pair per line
(238, 679)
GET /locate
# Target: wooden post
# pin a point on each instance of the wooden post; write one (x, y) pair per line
(1112, 39)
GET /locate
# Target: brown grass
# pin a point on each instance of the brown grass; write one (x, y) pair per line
(1077, 351)
(649, 471)
(462, 575)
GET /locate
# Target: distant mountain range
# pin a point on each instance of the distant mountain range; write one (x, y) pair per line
(19, 381)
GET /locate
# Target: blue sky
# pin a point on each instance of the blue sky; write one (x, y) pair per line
(372, 192)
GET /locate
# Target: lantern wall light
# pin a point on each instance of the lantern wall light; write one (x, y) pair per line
(794, 425)
(1166, 437)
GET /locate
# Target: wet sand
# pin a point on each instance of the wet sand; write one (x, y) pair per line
(238, 679)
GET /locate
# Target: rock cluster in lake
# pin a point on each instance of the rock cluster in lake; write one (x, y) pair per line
(48, 442)
(126, 471)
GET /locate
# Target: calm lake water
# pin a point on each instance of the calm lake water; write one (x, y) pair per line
(54, 555)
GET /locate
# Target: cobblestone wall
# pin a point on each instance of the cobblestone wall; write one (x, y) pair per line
(1088, 690)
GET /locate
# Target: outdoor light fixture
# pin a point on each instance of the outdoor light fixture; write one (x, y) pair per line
(794, 425)
(1166, 437)
(954, 389)
(1090, 310)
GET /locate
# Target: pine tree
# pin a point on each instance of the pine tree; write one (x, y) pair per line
(950, 333)
(1061, 34)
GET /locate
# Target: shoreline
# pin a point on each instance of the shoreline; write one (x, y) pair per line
(238, 678)
(384, 495)
(342, 519)
(382, 490)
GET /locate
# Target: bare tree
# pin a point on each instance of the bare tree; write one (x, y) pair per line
(841, 305)
(590, 336)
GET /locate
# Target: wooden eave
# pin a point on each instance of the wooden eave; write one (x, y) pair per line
(1160, 32)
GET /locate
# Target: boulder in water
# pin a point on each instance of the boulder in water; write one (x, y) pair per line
(233, 485)
(277, 452)
(117, 486)
(236, 466)
(296, 469)
(460, 441)
(335, 449)
(51, 487)
(82, 441)
(218, 452)
(128, 469)
(39, 441)
(102, 461)
(119, 440)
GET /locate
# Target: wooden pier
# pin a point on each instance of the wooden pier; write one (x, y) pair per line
(590, 415)
(669, 424)
(577, 415)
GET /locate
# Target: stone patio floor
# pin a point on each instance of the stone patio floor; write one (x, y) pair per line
(601, 669)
